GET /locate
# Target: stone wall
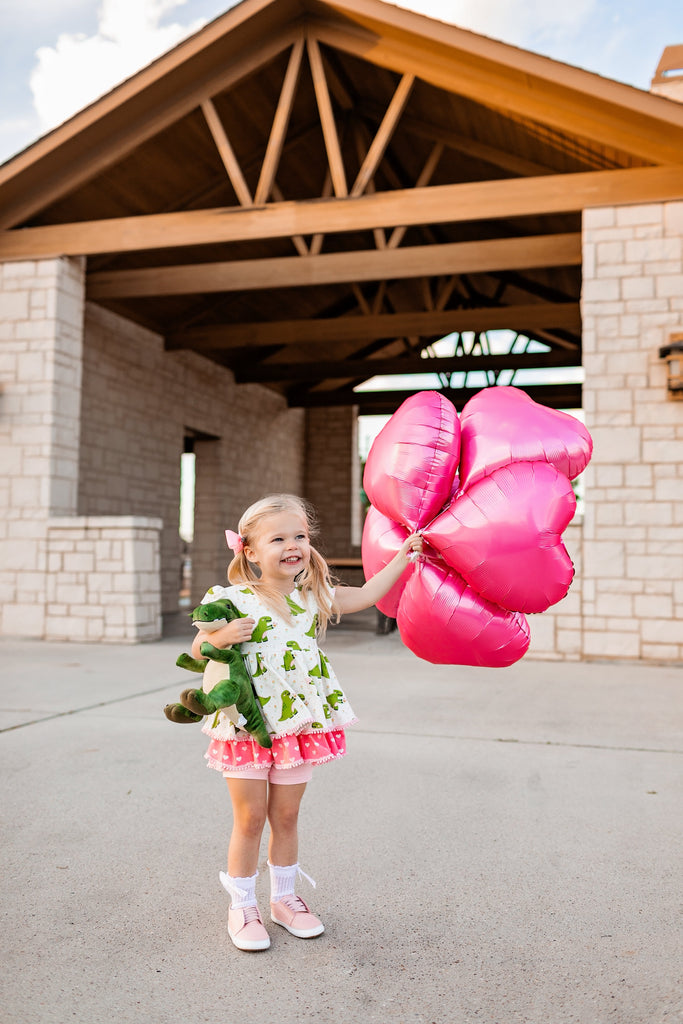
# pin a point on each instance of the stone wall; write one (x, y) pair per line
(632, 300)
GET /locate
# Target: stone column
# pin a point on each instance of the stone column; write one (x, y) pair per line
(632, 299)
(41, 328)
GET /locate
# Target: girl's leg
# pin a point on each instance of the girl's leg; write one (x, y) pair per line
(285, 908)
(283, 817)
(249, 809)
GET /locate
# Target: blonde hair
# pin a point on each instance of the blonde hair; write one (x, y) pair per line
(315, 579)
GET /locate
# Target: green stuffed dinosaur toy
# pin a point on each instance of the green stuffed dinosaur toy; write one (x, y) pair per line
(234, 695)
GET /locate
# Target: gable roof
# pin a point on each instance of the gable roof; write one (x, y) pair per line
(304, 183)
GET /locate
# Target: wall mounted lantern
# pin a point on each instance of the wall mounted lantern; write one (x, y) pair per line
(673, 353)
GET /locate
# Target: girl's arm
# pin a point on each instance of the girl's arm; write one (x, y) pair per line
(355, 599)
(236, 632)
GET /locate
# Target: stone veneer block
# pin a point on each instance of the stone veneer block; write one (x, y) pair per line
(114, 598)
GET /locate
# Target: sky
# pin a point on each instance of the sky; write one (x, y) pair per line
(56, 56)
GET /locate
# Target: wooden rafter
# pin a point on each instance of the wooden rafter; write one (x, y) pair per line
(383, 136)
(280, 122)
(334, 154)
(372, 326)
(555, 396)
(227, 153)
(331, 268)
(518, 197)
(317, 369)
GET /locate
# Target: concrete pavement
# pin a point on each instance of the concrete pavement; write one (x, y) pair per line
(499, 846)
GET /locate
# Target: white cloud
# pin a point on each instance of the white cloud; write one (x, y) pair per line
(80, 68)
(522, 24)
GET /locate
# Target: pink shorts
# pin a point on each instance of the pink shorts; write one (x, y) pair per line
(275, 774)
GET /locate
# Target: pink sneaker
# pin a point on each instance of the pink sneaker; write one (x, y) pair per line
(293, 914)
(246, 929)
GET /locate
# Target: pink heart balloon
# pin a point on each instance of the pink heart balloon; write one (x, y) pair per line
(442, 620)
(501, 425)
(413, 462)
(503, 536)
(382, 538)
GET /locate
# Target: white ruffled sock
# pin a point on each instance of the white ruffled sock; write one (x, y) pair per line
(283, 880)
(242, 890)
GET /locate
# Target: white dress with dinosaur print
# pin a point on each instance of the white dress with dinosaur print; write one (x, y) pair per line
(303, 705)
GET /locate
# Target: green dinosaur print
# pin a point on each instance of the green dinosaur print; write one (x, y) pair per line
(328, 713)
(320, 670)
(314, 627)
(288, 662)
(263, 701)
(246, 590)
(334, 698)
(317, 725)
(262, 626)
(260, 667)
(288, 709)
(294, 608)
(293, 645)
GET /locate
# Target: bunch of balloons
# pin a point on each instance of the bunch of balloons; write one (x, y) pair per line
(490, 493)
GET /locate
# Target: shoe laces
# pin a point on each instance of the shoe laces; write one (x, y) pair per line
(294, 903)
(251, 914)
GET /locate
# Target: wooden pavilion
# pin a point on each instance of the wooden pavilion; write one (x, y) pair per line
(301, 197)
(312, 193)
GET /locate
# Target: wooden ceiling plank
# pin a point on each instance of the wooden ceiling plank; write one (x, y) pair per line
(329, 127)
(555, 396)
(371, 326)
(517, 197)
(384, 134)
(331, 268)
(227, 153)
(280, 123)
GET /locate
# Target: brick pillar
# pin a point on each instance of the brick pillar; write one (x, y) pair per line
(41, 325)
(633, 529)
(332, 478)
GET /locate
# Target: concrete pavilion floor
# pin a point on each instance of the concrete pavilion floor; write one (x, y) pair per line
(499, 846)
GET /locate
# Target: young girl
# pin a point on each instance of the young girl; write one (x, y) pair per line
(282, 587)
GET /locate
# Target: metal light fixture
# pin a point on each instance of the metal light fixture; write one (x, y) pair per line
(673, 353)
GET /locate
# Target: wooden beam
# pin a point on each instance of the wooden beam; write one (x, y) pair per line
(437, 204)
(280, 122)
(383, 136)
(332, 268)
(316, 370)
(227, 153)
(376, 403)
(372, 327)
(322, 95)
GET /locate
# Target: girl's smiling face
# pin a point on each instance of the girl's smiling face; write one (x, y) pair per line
(281, 549)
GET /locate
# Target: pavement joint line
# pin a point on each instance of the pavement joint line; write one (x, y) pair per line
(522, 743)
(88, 707)
(371, 732)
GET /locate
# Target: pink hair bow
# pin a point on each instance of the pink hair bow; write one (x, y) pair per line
(234, 541)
